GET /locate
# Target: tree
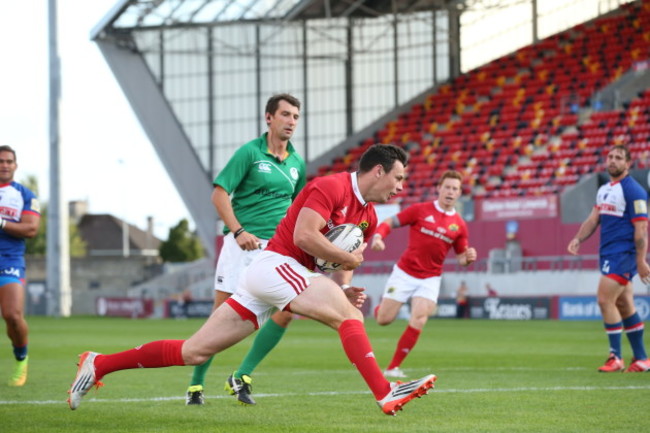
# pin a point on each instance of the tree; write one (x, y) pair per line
(37, 245)
(182, 245)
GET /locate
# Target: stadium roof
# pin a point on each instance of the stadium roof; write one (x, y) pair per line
(156, 13)
(189, 86)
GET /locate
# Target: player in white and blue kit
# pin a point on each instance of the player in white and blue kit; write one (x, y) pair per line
(622, 212)
(19, 219)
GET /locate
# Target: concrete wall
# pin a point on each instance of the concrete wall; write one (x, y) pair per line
(91, 277)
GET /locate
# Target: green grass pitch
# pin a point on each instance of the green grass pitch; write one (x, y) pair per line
(493, 376)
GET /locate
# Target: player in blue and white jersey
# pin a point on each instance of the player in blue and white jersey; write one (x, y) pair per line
(622, 212)
(19, 219)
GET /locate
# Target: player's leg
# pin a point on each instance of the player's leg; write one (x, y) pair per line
(12, 299)
(266, 339)
(224, 327)
(633, 327)
(610, 287)
(421, 309)
(387, 310)
(194, 394)
(424, 296)
(230, 267)
(262, 281)
(324, 301)
(396, 292)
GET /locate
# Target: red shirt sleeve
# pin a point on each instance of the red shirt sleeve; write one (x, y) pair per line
(409, 215)
(323, 197)
(462, 241)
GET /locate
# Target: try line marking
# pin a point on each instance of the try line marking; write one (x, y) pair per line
(335, 393)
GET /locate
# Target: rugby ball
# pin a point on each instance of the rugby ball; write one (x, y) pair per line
(347, 237)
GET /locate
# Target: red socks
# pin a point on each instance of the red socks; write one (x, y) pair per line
(162, 353)
(357, 348)
(404, 345)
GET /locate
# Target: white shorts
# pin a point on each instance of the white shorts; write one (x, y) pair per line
(401, 286)
(232, 263)
(270, 282)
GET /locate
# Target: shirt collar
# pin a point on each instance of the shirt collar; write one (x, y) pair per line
(440, 209)
(264, 147)
(355, 188)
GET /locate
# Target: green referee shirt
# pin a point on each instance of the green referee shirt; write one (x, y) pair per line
(261, 187)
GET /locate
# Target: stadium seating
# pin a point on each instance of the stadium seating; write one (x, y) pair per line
(526, 123)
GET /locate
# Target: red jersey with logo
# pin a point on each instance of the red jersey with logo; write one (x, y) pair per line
(338, 200)
(433, 232)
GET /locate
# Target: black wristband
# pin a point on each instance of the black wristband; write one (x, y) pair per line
(238, 232)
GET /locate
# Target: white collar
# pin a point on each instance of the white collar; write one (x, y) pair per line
(437, 205)
(355, 188)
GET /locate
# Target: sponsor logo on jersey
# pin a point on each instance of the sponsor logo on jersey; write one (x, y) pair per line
(344, 211)
(264, 167)
(430, 219)
(274, 194)
(293, 171)
(9, 212)
(606, 208)
(436, 235)
(36, 205)
(640, 206)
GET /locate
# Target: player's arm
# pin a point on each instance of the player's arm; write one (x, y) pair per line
(641, 244)
(27, 227)
(587, 229)
(307, 237)
(467, 257)
(382, 231)
(221, 201)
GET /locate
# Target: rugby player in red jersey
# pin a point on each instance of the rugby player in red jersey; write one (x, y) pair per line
(281, 278)
(435, 227)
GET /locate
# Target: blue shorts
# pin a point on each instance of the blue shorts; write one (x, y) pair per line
(12, 274)
(620, 267)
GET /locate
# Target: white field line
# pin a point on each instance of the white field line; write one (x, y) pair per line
(336, 393)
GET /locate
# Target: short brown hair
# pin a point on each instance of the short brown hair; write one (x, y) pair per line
(624, 149)
(274, 101)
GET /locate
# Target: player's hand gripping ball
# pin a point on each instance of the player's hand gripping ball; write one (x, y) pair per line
(347, 237)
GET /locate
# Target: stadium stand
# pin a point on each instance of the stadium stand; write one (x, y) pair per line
(531, 122)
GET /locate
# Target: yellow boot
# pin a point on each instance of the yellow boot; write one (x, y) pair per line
(20, 373)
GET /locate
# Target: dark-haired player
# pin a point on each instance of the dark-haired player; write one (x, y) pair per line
(19, 219)
(621, 210)
(251, 195)
(282, 278)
